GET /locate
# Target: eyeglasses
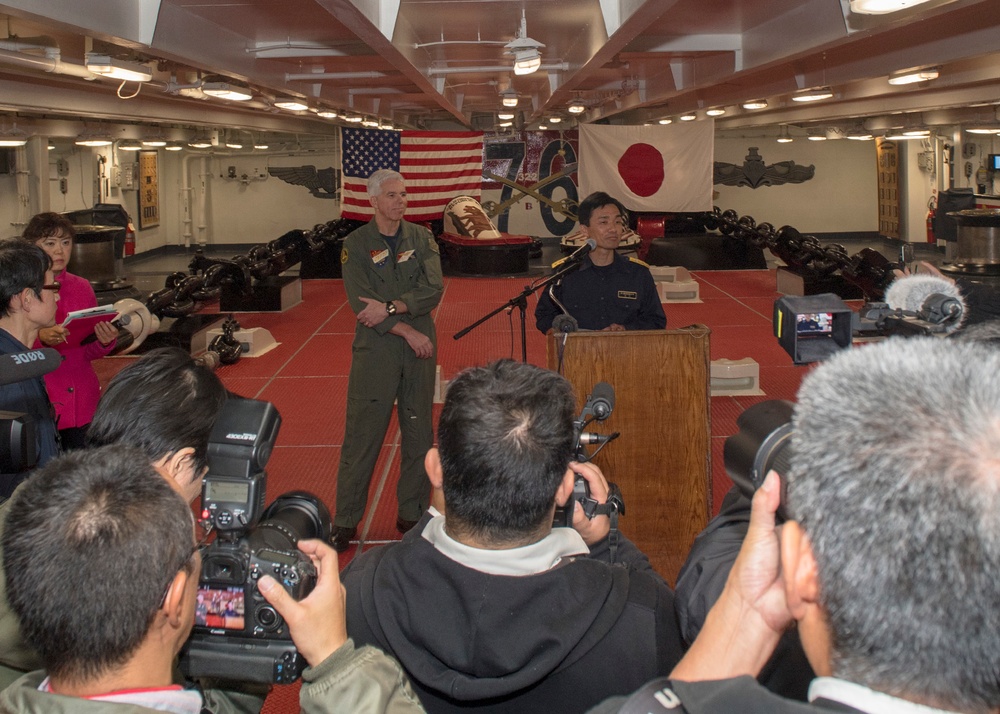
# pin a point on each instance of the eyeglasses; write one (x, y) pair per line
(55, 286)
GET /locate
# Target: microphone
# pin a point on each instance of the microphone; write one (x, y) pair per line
(565, 323)
(929, 297)
(578, 254)
(602, 400)
(18, 366)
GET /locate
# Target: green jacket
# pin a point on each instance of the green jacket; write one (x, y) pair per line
(412, 275)
(352, 681)
(16, 657)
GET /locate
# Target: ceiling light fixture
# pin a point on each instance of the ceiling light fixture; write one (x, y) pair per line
(505, 124)
(666, 120)
(234, 144)
(13, 137)
(817, 137)
(715, 112)
(783, 136)
(508, 98)
(912, 76)
(154, 141)
(260, 146)
(327, 114)
(917, 132)
(755, 104)
(224, 88)
(201, 140)
(543, 127)
(904, 135)
(93, 139)
(370, 123)
(291, 105)
(505, 115)
(129, 145)
(860, 135)
(527, 58)
(555, 120)
(576, 108)
(353, 118)
(983, 130)
(882, 7)
(174, 146)
(112, 68)
(812, 95)
(688, 117)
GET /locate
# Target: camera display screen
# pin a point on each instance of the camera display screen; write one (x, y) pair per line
(816, 323)
(220, 607)
(226, 491)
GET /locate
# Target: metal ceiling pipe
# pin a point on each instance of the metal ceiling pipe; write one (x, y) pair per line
(45, 64)
(552, 66)
(311, 76)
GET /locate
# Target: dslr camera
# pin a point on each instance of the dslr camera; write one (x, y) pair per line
(237, 634)
(600, 403)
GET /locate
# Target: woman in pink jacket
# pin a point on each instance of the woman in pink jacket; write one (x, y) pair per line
(73, 388)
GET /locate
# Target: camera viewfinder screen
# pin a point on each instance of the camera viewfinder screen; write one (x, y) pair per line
(815, 323)
(226, 491)
(220, 607)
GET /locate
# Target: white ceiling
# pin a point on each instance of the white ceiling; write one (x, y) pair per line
(439, 64)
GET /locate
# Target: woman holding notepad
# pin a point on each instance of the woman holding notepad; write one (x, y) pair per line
(73, 388)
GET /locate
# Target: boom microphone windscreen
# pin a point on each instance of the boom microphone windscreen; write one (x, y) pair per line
(18, 366)
(929, 297)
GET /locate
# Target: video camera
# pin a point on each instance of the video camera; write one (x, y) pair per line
(238, 635)
(600, 403)
(813, 327)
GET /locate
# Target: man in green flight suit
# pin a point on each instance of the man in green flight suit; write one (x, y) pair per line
(392, 275)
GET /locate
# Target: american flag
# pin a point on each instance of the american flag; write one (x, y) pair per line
(437, 166)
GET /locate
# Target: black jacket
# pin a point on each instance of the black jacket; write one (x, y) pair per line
(559, 641)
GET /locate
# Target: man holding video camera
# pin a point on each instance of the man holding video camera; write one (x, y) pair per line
(890, 559)
(103, 567)
(486, 605)
(28, 295)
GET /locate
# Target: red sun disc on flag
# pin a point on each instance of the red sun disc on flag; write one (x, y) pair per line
(641, 168)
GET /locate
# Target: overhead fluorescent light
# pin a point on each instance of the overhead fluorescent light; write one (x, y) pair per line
(783, 136)
(93, 140)
(812, 95)
(386, 126)
(200, 141)
(576, 108)
(260, 147)
(13, 137)
(917, 132)
(505, 124)
(555, 120)
(129, 145)
(715, 112)
(900, 135)
(543, 127)
(224, 88)
(327, 114)
(154, 141)
(174, 146)
(817, 137)
(688, 117)
(353, 118)
(755, 104)
(666, 120)
(508, 98)
(372, 123)
(291, 105)
(505, 115)
(882, 7)
(860, 135)
(912, 76)
(983, 130)
(108, 66)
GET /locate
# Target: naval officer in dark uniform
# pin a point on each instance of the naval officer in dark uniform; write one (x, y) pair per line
(608, 291)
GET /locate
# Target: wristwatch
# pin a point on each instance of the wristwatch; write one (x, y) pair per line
(390, 308)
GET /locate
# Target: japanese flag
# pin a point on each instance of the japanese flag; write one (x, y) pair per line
(650, 168)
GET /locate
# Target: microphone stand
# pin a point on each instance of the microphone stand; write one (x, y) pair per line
(520, 301)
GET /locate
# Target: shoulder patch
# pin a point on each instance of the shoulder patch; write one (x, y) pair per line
(343, 255)
(633, 259)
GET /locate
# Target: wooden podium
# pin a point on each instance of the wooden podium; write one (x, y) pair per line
(662, 460)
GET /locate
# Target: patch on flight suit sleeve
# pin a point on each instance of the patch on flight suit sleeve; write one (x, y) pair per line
(635, 260)
(343, 255)
(628, 295)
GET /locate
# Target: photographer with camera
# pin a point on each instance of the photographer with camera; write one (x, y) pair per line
(28, 296)
(96, 522)
(486, 605)
(890, 556)
(165, 404)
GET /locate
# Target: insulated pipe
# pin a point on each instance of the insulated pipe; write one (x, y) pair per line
(45, 64)
(308, 77)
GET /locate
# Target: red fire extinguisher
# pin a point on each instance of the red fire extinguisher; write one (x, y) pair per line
(129, 240)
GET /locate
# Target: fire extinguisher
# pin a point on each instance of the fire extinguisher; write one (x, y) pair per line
(931, 207)
(129, 240)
